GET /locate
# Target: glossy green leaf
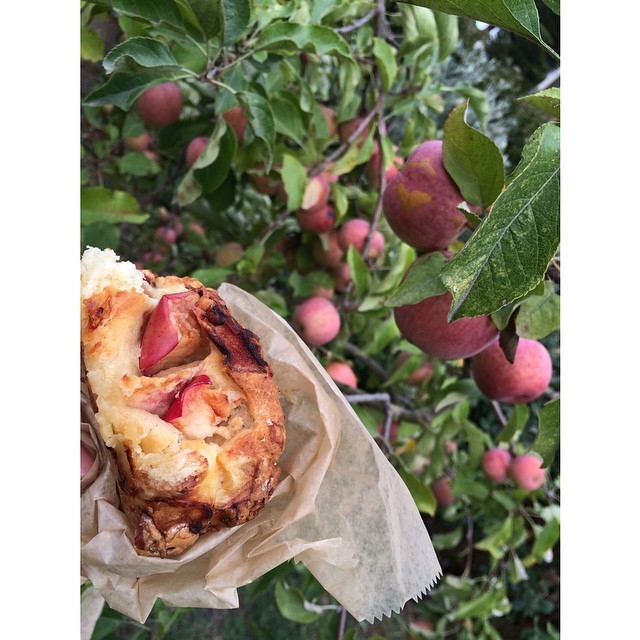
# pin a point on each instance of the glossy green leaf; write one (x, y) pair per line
(212, 276)
(122, 89)
(548, 437)
(91, 45)
(447, 26)
(288, 118)
(423, 281)
(98, 204)
(359, 271)
(546, 538)
(548, 100)
(509, 253)
(135, 163)
(554, 5)
(482, 605)
(150, 10)
(236, 15)
(496, 542)
(289, 37)
(539, 315)
(519, 16)
(516, 422)
(420, 492)
(203, 15)
(294, 177)
(502, 316)
(472, 160)
(260, 119)
(134, 53)
(291, 604)
(102, 235)
(385, 56)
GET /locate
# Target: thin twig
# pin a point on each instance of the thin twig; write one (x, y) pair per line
(467, 567)
(499, 413)
(358, 23)
(342, 625)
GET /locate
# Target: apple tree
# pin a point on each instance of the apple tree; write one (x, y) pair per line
(353, 165)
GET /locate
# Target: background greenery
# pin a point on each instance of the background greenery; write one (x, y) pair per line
(408, 68)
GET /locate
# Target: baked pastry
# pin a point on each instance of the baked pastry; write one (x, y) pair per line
(184, 400)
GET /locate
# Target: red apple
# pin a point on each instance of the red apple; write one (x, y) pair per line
(426, 325)
(527, 472)
(161, 105)
(237, 120)
(228, 253)
(354, 232)
(317, 321)
(327, 251)
(317, 220)
(518, 383)
(442, 491)
(143, 142)
(374, 167)
(341, 277)
(495, 463)
(316, 194)
(195, 149)
(343, 373)
(420, 202)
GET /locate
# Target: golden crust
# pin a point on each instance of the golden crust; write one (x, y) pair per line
(214, 465)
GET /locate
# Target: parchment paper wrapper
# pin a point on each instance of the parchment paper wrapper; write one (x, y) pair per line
(340, 508)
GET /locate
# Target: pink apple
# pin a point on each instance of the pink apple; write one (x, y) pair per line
(161, 105)
(316, 194)
(495, 463)
(420, 202)
(342, 372)
(317, 321)
(142, 142)
(354, 233)
(318, 220)
(442, 491)
(518, 383)
(237, 120)
(195, 149)
(328, 253)
(527, 472)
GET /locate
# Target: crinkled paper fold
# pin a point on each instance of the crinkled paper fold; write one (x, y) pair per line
(340, 508)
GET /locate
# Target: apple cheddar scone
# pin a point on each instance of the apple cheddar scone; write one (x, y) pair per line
(184, 400)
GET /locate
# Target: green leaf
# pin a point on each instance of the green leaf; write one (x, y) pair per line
(478, 441)
(472, 160)
(260, 119)
(288, 116)
(422, 281)
(91, 45)
(150, 10)
(539, 315)
(548, 438)
(134, 53)
(546, 538)
(519, 16)
(211, 168)
(101, 235)
(294, 177)
(548, 100)
(447, 26)
(204, 15)
(385, 56)
(554, 5)
(359, 271)
(135, 163)
(212, 276)
(482, 605)
(420, 492)
(303, 286)
(122, 89)
(98, 204)
(291, 604)
(236, 15)
(502, 316)
(509, 253)
(496, 543)
(289, 37)
(517, 421)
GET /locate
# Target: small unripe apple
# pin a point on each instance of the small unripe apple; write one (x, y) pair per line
(329, 253)
(495, 463)
(343, 373)
(527, 472)
(142, 142)
(354, 233)
(420, 202)
(317, 220)
(317, 321)
(161, 105)
(518, 383)
(442, 491)
(228, 253)
(195, 149)
(237, 120)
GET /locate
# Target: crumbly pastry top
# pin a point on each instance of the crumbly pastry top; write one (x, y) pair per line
(184, 399)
